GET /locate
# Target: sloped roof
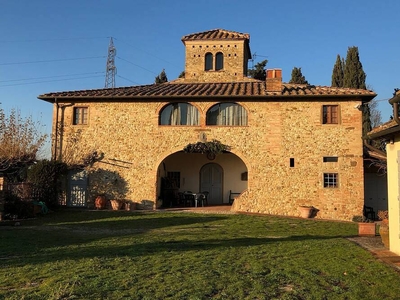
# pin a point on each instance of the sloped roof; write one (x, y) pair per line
(246, 90)
(384, 129)
(216, 34)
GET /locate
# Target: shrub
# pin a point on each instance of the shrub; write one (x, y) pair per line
(15, 208)
(46, 178)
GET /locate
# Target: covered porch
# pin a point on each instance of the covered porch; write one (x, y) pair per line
(195, 179)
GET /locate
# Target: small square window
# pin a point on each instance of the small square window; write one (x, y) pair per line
(331, 180)
(80, 116)
(330, 159)
(330, 114)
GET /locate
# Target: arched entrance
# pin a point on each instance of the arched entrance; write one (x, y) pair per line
(211, 180)
(181, 172)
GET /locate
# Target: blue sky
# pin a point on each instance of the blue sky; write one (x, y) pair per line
(48, 46)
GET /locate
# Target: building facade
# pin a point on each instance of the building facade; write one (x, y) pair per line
(289, 145)
(390, 132)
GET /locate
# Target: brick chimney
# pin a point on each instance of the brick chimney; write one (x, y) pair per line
(274, 80)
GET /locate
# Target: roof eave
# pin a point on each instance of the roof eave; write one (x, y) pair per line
(384, 132)
(52, 99)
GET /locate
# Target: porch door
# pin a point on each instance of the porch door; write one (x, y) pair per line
(77, 189)
(211, 178)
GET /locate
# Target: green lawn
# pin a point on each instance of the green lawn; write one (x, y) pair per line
(170, 255)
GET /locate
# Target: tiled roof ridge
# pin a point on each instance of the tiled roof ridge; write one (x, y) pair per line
(217, 33)
(324, 87)
(245, 88)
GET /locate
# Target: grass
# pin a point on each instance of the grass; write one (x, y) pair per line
(167, 255)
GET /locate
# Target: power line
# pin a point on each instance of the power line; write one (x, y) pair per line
(136, 65)
(45, 77)
(52, 60)
(26, 83)
(148, 53)
(51, 40)
(380, 100)
(128, 79)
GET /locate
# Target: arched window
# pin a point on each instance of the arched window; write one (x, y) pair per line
(219, 61)
(230, 114)
(179, 114)
(208, 62)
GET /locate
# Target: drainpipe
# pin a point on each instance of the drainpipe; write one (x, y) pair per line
(395, 102)
(56, 130)
(372, 148)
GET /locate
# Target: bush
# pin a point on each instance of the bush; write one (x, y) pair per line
(15, 208)
(46, 178)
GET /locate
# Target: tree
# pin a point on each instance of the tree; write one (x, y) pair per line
(20, 140)
(353, 73)
(161, 78)
(182, 74)
(297, 76)
(337, 73)
(375, 114)
(258, 72)
(366, 121)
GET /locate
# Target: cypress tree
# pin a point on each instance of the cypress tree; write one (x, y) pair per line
(258, 72)
(366, 122)
(337, 73)
(161, 78)
(297, 76)
(353, 74)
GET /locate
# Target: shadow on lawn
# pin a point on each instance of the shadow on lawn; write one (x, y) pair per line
(35, 239)
(145, 249)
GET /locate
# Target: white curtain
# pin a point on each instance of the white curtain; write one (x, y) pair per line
(192, 117)
(175, 114)
(232, 115)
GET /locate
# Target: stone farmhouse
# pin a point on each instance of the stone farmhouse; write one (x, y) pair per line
(290, 145)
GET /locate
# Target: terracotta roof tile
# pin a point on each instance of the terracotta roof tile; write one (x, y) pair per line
(216, 34)
(384, 129)
(253, 88)
(303, 89)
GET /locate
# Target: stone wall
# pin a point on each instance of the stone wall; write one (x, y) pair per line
(134, 145)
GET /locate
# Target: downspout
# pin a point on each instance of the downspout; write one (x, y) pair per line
(372, 148)
(56, 130)
(395, 102)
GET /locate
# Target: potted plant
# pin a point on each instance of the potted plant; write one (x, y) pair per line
(116, 204)
(383, 216)
(211, 149)
(129, 205)
(306, 211)
(366, 227)
(100, 202)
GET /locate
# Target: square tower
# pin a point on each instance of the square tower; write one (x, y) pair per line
(216, 56)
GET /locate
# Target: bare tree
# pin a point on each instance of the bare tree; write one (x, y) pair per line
(376, 117)
(20, 140)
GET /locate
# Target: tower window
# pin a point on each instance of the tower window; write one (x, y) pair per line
(219, 61)
(208, 62)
